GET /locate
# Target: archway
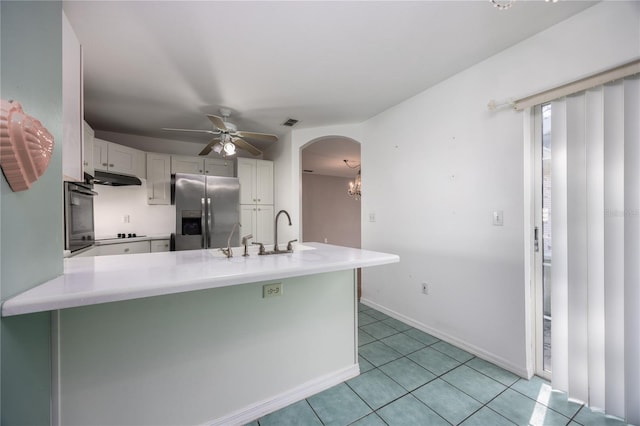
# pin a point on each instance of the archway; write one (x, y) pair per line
(329, 214)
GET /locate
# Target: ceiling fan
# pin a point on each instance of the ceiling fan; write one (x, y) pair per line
(228, 137)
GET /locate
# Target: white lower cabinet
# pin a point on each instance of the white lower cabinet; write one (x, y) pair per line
(152, 246)
(258, 221)
(124, 248)
(159, 245)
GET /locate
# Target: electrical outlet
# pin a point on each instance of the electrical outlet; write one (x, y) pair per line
(425, 288)
(271, 290)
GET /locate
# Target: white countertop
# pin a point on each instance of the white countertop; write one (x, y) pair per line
(93, 280)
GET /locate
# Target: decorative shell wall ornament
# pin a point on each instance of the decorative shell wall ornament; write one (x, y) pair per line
(26, 146)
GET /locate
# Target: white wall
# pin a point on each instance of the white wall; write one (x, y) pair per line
(454, 162)
(465, 163)
(114, 202)
(31, 222)
(329, 213)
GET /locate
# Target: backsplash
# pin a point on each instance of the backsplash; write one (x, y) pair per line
(125, 209)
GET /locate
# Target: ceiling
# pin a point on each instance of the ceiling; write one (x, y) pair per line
(155, 64)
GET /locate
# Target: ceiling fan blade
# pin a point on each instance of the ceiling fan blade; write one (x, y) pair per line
(242, 144)
(257, 136)
(218, 122)
(192, 130)
(207, 149)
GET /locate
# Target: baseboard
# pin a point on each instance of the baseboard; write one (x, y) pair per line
(262, 408)
(480, 353)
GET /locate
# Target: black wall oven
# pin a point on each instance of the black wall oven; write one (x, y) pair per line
(78, 216)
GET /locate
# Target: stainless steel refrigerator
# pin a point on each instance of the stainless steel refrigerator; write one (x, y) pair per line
(207, 207)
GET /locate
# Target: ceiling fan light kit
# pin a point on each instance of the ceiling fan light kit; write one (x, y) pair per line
(231, 139)
(229, 148)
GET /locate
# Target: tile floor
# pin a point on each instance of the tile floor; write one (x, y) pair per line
(409, 377)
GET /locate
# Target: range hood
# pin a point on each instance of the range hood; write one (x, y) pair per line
(113, 179)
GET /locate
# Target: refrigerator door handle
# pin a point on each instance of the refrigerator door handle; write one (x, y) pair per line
(203, 224)
(209, 223)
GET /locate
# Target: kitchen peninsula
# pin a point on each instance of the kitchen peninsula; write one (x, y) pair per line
(193, 337)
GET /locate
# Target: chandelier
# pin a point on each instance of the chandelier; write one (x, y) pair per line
(355, 187)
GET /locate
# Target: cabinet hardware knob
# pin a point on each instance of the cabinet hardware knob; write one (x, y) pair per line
(110, 165)
(258, 199)
(126, 250)
(104, 164)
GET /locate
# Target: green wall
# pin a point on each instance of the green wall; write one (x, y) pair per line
(31, 234)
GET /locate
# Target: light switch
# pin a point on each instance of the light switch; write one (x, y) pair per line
(372, 217)
(498, 218)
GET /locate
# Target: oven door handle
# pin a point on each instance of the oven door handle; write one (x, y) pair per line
(81, 190)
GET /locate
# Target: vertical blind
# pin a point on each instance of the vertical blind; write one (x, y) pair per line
(595, 279)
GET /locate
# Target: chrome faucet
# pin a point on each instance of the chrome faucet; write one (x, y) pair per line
(227, 251)
(245, 243)
(275, 237)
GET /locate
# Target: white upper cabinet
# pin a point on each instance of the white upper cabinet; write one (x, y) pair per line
(158, 178)
(115, 158)
(183, 164)
(87, 154)
(256, 181)
(202, 166)
(72, 104)
(218, 167)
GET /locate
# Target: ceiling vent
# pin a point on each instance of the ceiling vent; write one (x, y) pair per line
(290, 122)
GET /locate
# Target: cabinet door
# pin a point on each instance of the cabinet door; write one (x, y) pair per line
(88, 149)
(139, 163)
(123, 159)
(125, 248)
(218, 167)
(181, 164)
(264, 182)
(264, 224)
(159, 245)
(248, 221)
(100, 159)
(247, 177)
(72, 108)
(158, 178)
